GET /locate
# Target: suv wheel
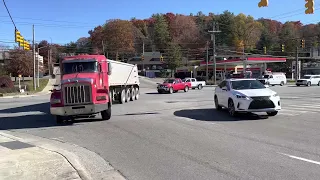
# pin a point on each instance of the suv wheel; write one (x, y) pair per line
(231, 108)
(216, 103)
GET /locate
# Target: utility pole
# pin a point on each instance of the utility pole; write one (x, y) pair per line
(38, 74)
(104, 51)
(213, 38)
(297, 63)
(207, 62)
(34, 58)
(49, 60)
(143, 58)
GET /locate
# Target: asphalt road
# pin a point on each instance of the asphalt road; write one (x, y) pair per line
(181, 136)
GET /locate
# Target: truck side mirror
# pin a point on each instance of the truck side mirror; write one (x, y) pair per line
(109, 68)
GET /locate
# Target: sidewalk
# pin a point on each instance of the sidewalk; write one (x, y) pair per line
(24, 161)
(30, 157)
(45, 91)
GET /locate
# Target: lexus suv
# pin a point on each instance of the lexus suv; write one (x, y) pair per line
(246, 95)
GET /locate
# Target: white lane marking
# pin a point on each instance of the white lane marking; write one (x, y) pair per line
(301, 159)
(306, 106)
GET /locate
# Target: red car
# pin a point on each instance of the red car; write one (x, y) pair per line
(173, 85)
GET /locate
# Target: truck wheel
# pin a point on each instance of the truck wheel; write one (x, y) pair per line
(59, 119)
(186, 89)
(171, 90)
(133, 94)
(106, 114)
(282, 83)
(309, 83)
(200, 86)
(128, 94)
(137, 93)
(122, 98)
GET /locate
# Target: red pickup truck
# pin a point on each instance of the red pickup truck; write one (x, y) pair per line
(173, 85)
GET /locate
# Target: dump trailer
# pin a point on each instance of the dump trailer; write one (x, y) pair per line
(90, 84)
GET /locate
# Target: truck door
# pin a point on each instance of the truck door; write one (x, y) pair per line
(193, 82)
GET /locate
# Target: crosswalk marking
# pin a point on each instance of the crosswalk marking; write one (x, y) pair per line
(295, 109)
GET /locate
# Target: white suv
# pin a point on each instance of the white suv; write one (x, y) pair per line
(308, 80)
(246, 95)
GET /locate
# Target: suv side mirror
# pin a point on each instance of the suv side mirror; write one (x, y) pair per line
(109, 68)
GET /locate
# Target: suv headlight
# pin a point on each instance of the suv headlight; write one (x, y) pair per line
(275, 95)
(242, 97)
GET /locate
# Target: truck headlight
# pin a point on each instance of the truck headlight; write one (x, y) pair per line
(239, 96)
(55, 101)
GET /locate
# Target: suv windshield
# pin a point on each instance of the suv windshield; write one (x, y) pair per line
(78, 67)
(168, 81)
(246, 84)
(266, 76)
(306, 77)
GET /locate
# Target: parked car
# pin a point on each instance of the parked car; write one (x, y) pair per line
(173, 85)
(274, 79)
(309, 80)
(246, 95)
(195, 83)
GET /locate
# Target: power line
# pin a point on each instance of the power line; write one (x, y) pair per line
(9, 14)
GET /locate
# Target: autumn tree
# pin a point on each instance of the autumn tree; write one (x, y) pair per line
(270, 34)
(174, 58)
(246, 31)
(185, 31)
(96, 37)
(290, 36)
(21, 62)
(161, 31)
(119, 36)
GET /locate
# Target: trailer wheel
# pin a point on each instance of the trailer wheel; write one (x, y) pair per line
(133, 94)
(137, 93)
(128, 94)
(122, 98)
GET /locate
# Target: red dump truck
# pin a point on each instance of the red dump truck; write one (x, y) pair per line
(89, 84)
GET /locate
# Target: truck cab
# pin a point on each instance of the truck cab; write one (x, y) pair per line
(84, 88)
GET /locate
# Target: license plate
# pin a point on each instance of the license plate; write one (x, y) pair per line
(78, 111)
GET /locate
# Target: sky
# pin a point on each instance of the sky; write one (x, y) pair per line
(62, 21)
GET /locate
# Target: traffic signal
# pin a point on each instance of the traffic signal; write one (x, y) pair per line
(26, 46)
(18, 37)
(142, 57)
(282, 48)
(264, 50)
(310, 6)
(263, 3)
(303, 44)
(161, 58)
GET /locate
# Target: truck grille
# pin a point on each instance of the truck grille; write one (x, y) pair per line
(261, 102)
(77, 94)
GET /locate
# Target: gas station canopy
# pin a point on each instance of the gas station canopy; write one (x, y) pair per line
(248, 60)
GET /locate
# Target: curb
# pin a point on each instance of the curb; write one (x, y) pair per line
(23, 96)
(88, 164)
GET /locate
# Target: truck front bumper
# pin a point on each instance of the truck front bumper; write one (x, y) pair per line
(78, 109)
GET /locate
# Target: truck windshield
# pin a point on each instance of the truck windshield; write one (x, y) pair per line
(306, 77)
(169, 81)
(78, 67)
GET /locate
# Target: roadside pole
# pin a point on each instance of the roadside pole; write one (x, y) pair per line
(207, 63)
(34, 59)
(213, 38)
(297, 63)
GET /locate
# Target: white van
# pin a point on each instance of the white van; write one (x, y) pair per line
(308, 80)
(274, 79)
